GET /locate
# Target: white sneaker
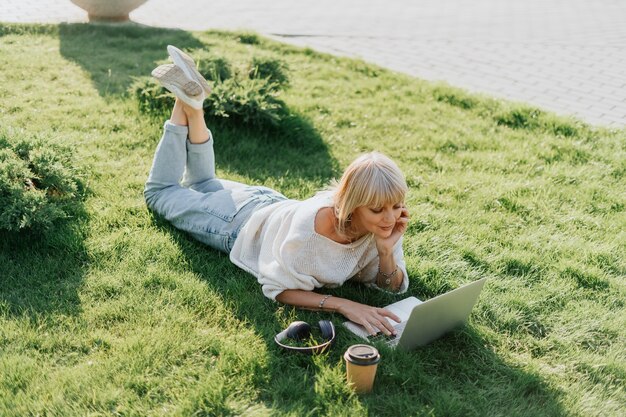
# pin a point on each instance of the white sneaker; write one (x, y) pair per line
(187, 64)
(174, 79)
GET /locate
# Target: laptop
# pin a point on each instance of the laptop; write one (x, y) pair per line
(425, 321)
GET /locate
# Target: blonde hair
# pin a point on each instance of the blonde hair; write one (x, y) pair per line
(372, 180)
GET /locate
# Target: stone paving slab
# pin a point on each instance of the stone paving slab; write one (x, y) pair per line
(566, 56)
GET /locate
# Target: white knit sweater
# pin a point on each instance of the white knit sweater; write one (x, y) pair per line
(280, 247)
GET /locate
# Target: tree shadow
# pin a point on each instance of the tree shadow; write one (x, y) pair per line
(112, 54)
(293, 151)
(42, 272)
(454, 375)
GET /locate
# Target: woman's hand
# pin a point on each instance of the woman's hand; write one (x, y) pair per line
(373, 319)
(385, 245)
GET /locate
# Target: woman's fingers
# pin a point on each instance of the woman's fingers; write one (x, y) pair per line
(389, 314)
(374, 328)
(374, 319)
(369, 329)
(403, 221)
(386, 327)
(379, 323)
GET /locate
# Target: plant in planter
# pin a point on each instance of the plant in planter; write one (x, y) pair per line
(113, 10)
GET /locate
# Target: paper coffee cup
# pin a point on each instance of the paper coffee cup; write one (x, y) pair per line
(361, 364)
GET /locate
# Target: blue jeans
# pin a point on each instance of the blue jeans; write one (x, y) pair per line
(183, 189)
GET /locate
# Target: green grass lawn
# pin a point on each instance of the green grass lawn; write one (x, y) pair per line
(118, 313)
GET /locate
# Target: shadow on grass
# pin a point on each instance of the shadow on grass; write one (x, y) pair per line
(294, 151)
(114, 54)
(42, 273)
(445, 378)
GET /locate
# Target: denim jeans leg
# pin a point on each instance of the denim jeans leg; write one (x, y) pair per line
(200, 164)
(210, 211)
(169, 161)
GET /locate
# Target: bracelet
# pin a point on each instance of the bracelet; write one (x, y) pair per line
(326, 297)
(389, 275)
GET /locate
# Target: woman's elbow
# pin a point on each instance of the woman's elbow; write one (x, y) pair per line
(281, 297)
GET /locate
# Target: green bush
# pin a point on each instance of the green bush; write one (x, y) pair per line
(215, 68)
(247, 101)
(152, 97)
(250, 99)
(38, 183)
(270, 69)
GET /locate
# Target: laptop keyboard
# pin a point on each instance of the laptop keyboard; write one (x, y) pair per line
(390, 340)
(380, 337)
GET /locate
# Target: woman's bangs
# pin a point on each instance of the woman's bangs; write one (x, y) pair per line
(383, 191)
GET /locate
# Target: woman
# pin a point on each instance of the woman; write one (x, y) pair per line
(351, 232)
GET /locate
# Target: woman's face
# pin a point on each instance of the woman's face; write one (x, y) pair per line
(377, 220)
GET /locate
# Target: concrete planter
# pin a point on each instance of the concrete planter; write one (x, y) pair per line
(115, 10)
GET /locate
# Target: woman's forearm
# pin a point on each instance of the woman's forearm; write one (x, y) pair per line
(373, 319)
(311, 300)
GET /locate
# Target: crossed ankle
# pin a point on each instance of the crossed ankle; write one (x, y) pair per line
(190, 112)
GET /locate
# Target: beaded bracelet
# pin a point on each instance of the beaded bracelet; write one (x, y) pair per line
(326, 297)
(389, 275)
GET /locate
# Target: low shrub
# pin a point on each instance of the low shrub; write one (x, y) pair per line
(39, 184)
(152, 97)
(270, 69)
(248, 101)
(244, 98)
(215, 68)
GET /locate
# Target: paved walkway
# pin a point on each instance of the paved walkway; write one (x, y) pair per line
(567, 56)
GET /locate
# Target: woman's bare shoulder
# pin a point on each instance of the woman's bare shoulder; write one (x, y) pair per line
(324, 222)
(325, 225)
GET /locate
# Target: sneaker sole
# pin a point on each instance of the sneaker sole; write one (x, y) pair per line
(174, 79)
(173, 76)
(187, 64)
